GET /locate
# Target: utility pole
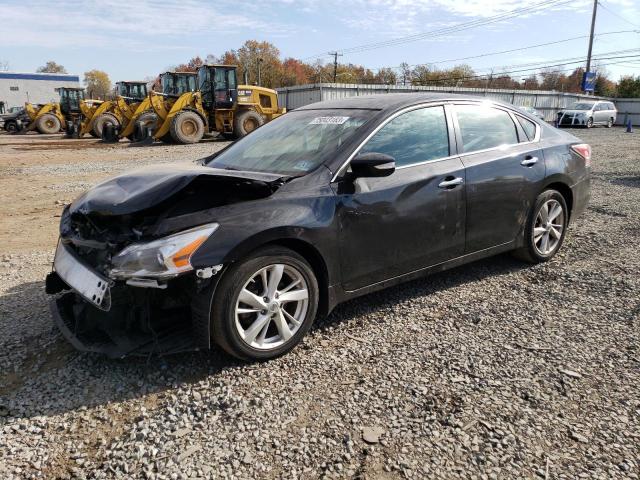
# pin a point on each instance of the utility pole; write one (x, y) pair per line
(259, 77)
(593, 27)
(335, 56)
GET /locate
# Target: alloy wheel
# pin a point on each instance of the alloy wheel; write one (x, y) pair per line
(271, 306)
(547, 231)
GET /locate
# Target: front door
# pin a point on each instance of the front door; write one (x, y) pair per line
(505, 169)
(411, 219)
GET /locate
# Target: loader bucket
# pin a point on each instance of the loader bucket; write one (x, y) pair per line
(143, 134)
(71, 130)
(110, 133)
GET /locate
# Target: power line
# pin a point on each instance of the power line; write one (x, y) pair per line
(616, 15)
(451, 29)
(541, 67)
(511, 50)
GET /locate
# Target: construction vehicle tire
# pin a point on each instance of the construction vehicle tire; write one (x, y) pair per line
(187, 127)
(11, 126)
(48, 123)
(246, 122)
(101, 121)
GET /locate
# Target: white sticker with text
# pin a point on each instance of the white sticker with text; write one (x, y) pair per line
(328, 120)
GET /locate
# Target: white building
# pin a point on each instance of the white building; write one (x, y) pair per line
(18, 88)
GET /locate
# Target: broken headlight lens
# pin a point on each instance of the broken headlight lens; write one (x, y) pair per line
(163, 258)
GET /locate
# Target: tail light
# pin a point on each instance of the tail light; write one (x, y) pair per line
(584, 150)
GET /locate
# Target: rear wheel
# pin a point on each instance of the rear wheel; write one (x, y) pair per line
(187, 127)
(102, 120)
(610, 123)
(48, 123)
(11, 126)
(246, 122)
(546, 228)
(264, 305)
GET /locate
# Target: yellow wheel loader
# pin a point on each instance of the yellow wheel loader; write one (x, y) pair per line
(131, 97)
(218, 105)
(72, 112)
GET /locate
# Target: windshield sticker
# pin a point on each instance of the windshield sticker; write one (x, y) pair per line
(328, 120)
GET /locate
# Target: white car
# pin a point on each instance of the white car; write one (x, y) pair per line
(587, 114)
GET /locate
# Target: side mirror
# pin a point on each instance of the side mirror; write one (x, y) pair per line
(373, 164)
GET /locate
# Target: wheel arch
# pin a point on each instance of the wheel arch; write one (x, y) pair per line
(303, 248)
(562, 186)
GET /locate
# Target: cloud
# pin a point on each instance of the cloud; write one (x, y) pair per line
(139, 24)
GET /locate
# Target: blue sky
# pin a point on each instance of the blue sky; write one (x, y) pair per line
(135, 39)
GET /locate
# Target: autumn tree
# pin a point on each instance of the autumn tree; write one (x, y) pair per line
(295, 72)
(264, 57)
(531, 83)
(51, 67)
(191, 66)
(97, 84)
(386, 76)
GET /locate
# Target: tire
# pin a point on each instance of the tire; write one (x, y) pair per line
(246, 122)
(11, 126)
(610, 123)
(590, 123)
(47, 124)
(101, 121)
(534, 249)
(269, 342)
(187, 127)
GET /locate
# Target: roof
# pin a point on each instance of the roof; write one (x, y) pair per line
(60, 77)
(388, 101)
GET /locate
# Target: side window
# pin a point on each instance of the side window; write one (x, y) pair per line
(611, 106)
(485, 127)
(413, 137)
(528, 126)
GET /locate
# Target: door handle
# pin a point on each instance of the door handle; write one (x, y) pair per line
(451, 183)
(529, 161)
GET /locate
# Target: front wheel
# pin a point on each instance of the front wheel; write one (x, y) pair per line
(264, 305)
(11, 126)
(590, 123)
(546, 228)
(48, 123)
(187, 127)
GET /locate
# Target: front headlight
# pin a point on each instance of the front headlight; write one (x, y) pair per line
(163, 258)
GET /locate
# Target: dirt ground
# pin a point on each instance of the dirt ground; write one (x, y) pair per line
(493, 370)
(39, 174)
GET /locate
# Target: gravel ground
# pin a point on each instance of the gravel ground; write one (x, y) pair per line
(493, 370)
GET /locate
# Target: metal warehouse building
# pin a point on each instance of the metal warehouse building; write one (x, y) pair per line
(18, 88)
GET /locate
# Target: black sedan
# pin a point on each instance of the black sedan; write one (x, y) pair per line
(327, 203)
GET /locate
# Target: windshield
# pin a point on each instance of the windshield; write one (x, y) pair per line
(177, 84)
(582, 106)
(294, 144)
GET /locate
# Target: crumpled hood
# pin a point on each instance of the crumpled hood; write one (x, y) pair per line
(151, 186)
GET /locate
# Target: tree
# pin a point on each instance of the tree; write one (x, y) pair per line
(191, 66)
(97, 83)
(51, 67)
(262, 56)
(386, 76)
(405, 73)
(629, 87)
(4, 66)
(531, 82)
(295, 72)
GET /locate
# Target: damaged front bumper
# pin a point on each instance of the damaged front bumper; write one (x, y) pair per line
(118, 318)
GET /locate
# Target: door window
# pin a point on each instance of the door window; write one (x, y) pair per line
(484, 127)
(413, 137)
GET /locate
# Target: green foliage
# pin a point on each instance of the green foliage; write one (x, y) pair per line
(629, 87)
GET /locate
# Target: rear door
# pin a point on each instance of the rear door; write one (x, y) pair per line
(413, 218)
(504, 172)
